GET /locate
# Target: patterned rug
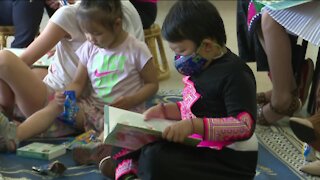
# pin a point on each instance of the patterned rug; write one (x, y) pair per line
(284, 146)
(280, 154)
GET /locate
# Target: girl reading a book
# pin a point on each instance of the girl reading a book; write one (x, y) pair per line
(218, 107)
(118, 66)
(24, 92)
(20, 87)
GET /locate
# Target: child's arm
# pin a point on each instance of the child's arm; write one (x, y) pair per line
(79, 81)
(150, 87)
(163, 111)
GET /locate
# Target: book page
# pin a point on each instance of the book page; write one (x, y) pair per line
(44, 61)
(113, 116)
(129, 129)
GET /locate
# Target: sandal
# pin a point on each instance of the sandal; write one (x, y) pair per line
(261, 98)
(294, 106)
(8, 140)
(7, 145)
(107, 167)
(260, 116)
(307, 130)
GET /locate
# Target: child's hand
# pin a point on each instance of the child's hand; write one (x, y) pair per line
(123, 102)
(154, 112)
(178, 131)
(60, 98)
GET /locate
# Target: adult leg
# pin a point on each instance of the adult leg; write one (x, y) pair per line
(278, 50)
(27, 17)
(21, 84)
(6, 13)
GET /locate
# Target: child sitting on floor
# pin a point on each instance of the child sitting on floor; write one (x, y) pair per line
(118, 65)
(219, 106)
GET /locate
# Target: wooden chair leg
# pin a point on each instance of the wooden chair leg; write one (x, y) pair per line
(3, 42)
(154, 41)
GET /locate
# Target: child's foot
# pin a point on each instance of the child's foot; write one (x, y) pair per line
(8, 140)
(84, 155)
(107, 167)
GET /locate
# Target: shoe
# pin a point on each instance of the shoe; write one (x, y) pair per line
(260, 116)
(294, 106)
(8, 140)
(84, 155)
(312, 168)
(107, 167)
(307, 130)
(305, 79)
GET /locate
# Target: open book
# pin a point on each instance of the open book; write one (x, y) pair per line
(281, 4)
(129, 129)
(44, 61)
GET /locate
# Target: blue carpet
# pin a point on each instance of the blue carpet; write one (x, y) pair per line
(270, 168)
(18, 167)
(271, 164)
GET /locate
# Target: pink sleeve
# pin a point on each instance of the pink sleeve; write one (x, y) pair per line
(229, 128)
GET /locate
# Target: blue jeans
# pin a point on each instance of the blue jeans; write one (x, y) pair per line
(25, 16)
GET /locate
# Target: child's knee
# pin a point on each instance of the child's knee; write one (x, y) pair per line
(6, 59)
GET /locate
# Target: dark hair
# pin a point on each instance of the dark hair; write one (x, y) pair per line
(194, 20)
(102, 11)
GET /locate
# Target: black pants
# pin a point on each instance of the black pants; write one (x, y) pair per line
(25, 16)
(147, 12)
(172, 161)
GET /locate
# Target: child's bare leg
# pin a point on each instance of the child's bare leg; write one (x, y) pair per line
(80, 118)
(38, 122)
(30, 93)
(11, 134)
(6, 99)
(278, 50)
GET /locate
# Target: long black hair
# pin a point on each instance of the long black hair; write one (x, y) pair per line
(194, 20)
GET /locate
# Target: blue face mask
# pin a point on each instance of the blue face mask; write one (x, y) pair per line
(191, 64)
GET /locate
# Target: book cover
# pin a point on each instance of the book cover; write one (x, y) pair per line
(44, 61)
(129, 130)
(282, 4)
(41, 150)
